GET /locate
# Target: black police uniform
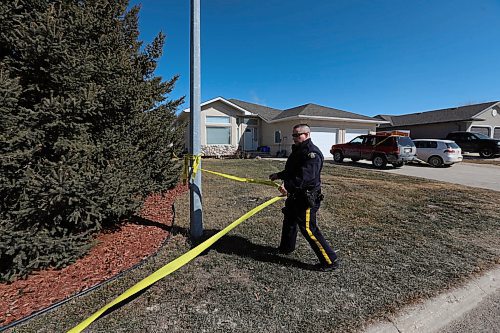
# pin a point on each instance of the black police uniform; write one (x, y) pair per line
(303, 183)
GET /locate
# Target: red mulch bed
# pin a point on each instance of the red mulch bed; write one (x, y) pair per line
(115, 251)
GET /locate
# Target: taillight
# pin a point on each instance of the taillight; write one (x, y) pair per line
(450, 151)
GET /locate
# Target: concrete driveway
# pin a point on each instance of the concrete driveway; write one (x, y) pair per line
(469, 174)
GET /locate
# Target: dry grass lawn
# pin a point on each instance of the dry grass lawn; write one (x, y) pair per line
(401, 239)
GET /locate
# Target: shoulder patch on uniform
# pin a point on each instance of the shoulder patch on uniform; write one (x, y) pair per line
(311, 155)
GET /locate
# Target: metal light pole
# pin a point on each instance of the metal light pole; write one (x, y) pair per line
(196, 212)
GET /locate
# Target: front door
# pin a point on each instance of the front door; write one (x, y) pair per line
(250, 141)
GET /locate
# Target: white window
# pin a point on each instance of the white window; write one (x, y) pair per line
(218, 120)
(218, 135)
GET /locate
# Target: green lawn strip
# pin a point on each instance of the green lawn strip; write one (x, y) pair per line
(482, 161)
(401, 239)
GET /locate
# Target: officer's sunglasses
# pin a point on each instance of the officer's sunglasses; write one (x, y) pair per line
(296, 135)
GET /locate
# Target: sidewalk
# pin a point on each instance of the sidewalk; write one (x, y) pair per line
(480, 297)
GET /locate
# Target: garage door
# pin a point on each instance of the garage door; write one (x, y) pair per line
(352, 133)
(324, 138)
(481, 129)
(496, 133)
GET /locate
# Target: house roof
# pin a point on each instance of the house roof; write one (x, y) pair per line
(265, 112)
(314, 110)
(223, 100)
(385, 117)
(307, 111)
(461, 113)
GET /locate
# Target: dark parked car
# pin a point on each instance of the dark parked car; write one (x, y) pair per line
(380, 149)
(476, 143)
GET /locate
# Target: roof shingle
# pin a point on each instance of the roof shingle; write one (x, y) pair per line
(265, 112)
(460, 113)
(315, 110)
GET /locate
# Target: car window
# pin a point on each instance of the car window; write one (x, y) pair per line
(405, 141)
(385, 141)
(369, 141)
(452, 145)
(357, 140)
(480, 136)
(421, 144)
(433, 144)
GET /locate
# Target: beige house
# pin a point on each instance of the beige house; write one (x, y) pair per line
(483, 118)
(231, 125)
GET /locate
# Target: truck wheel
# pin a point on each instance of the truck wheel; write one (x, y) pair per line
(435, 161)
(486, 153)
(379, 161)
(338, 156)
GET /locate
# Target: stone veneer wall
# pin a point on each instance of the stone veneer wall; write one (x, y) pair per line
(219, 150)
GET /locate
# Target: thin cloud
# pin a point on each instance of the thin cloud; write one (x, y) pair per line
(256, 99)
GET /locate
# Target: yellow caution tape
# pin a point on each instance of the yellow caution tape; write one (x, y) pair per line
(172, 266)
(196, 163)
(246, 180)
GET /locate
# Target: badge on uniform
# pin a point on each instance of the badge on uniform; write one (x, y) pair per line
(312, 155)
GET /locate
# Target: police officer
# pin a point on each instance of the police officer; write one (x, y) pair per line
(302, 185)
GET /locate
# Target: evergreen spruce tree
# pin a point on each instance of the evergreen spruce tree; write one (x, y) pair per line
(86, 129)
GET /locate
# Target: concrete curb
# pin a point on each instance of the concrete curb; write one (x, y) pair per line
(438, 312)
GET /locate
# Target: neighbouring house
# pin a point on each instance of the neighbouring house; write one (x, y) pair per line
(483, 118)
(231, 125)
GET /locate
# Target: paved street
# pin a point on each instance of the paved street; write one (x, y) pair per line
(483, 318)
(473, 308)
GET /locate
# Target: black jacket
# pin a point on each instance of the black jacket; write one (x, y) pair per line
(303, 168)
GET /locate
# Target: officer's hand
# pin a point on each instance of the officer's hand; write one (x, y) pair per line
(282, 189)
(273, 176)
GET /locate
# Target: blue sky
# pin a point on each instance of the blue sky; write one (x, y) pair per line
(365, 56)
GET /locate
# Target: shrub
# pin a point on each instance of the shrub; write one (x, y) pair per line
(86, 129)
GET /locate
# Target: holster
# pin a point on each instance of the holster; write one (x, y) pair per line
(313, 197)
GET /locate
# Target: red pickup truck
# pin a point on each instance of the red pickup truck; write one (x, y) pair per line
(380, 148)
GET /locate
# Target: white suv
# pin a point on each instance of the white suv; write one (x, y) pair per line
(438, 152)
